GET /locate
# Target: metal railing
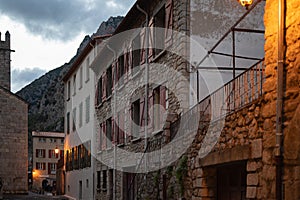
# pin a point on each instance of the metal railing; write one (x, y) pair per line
(234, 95)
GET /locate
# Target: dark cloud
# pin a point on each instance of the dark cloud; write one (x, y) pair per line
(63, 19)
(22, 77)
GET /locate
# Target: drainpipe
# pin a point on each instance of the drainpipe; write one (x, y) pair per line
(114, 114)
(146, 83)
(280, 95)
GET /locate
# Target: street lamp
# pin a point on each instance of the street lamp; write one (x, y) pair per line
(56, 150)
(245, 3)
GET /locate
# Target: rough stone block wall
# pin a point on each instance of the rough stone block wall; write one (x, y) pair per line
(13, 143)
(5, 62)
(291, 130)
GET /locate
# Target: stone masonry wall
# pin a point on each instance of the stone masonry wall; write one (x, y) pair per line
(5, 61)
(13, 143)
(291, 131)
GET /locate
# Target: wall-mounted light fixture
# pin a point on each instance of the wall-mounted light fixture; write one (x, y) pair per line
(56, 150)
(245, 3)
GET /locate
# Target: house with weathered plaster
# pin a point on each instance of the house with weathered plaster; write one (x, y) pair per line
(48, 148)
(13, 129)
(78, 169)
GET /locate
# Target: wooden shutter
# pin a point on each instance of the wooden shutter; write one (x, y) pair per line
(36, 153)
(143, 45)
(169, 23)
(50, 156)
(112, 131)
(56, 155)
(104, 86)
(44, 153)
(163, 104)
(61, 153)
(151, 39)
(130, 62)
(142, 115)
(96, 93)
(36, 165)
(113, 77)
(44, 166)
(104, 137)
(151, 112)
(49, 168)
(130, 133)
(126, 64)
(122, 127)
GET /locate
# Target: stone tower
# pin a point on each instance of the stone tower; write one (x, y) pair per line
(5, 61)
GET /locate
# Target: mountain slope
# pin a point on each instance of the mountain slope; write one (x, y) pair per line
(46, 94)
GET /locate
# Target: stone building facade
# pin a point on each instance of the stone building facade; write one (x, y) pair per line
(45, 158)
(13, 129)
(117, 175)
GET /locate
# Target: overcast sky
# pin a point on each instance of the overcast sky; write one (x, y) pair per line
(46, 33)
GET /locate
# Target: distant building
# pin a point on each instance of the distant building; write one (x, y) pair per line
(45, 158)
(13, 129)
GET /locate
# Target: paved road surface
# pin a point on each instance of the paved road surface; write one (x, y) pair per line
(33, 196)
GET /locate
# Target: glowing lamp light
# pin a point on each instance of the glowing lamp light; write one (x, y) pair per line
(245, 3)
(56, 150)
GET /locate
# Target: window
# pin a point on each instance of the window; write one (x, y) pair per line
(74, 119)
(61, 153)
(80, 114)
(98, 179)
(135, 116)
(232, 181)
(156, 107)
(87, 183)
(43, 140)
(129, 186)
(99, 90)
(80, 78)
(61, 141)
(119, 132)
(52, 154)
(74, 84)
(52, 140)
(68, 90)
(51, 168)
(40, 166)
(136, 53)
(87, 109)
(40, 153)
(159, 35)
(121, 69)
(159, 108)
(109, 83)
(109, 132)
(68, 123)
(104, 179)
(87, 71)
